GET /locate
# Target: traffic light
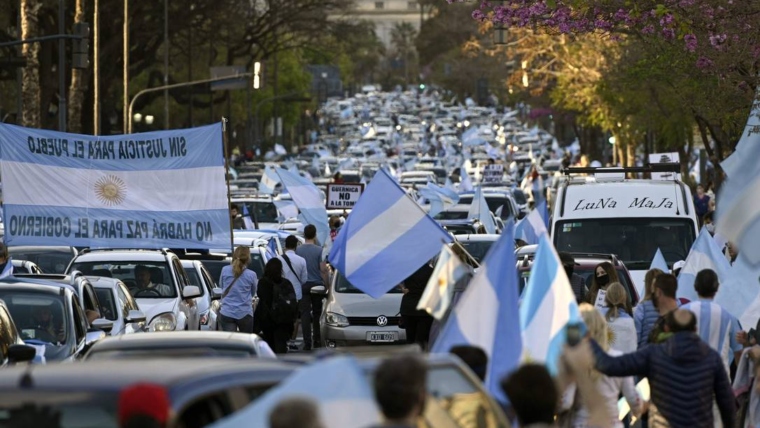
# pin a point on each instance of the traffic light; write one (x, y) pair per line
(80, 49)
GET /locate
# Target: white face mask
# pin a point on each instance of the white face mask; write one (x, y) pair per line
(710, 228)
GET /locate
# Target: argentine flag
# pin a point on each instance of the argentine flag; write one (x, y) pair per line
(531, 228)
(479, 210)
(440, 288)
(548, 305)
(386, 238)
(308, 199)
(658, 262)
(704, 254)
(440, 198)
(268, 181)
(487, 316)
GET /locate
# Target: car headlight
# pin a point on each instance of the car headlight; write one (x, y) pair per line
(336, 320)
(163, 322)
(204, 318)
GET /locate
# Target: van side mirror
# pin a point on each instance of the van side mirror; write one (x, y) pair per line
(102, 324)
(216, 293)
(319, 290)
(135, 316)
(191, 292)
(21, 353)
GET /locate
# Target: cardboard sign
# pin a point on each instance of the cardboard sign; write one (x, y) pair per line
(600, 302)
(493, 173)
(343, 196)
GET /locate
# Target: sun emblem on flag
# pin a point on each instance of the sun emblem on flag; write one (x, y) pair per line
(111, 190)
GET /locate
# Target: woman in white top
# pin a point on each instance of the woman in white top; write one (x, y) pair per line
(609, 388)
(623, 336)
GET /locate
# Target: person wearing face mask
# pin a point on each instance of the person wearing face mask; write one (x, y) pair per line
(604, 275)
(664, 299)
(709, 223)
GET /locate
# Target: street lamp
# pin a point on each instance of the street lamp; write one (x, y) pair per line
(149, 119)
(137, 118)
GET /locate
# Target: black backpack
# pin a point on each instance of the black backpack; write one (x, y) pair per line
(284, 303)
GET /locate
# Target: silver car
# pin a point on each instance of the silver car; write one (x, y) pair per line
(351, 317)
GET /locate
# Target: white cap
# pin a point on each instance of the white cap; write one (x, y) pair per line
(678, 265)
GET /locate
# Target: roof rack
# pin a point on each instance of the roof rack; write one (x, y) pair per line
(654, 167)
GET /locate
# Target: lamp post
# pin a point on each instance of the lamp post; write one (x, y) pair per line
(166, 63)
(127, 109)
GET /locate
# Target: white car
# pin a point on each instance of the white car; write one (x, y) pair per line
(25, 266)
(200, 276)
(168, 298)
(118, 305)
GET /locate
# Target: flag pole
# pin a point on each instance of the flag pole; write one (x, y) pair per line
(227, 179)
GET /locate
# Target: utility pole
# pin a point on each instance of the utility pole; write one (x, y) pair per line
(96, 69)
(126, 65)
(166, 63)
(62, 67)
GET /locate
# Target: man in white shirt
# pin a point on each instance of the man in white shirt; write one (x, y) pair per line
(294, 266)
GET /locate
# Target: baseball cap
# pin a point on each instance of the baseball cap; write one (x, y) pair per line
(144, 399)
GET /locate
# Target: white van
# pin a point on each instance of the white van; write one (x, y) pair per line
(631, 218)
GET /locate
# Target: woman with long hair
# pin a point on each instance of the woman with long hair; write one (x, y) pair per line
(604, 275)
(620, 319)
(277, 307)
(610, 388)
(645, 315)
(238, 288)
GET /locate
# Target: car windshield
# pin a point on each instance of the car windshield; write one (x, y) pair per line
(199, 351)
(107, 303)
(343, 286)
(149, 280)
(50, 261)
(494, 203)
(76, 409)
(38, 316)
(261, 211)
(633, 240)
(477, 249)
(586, 273)
(519, 197)
(452, 215)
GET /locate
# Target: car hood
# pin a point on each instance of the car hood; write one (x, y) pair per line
(153, 307)
(362, 305)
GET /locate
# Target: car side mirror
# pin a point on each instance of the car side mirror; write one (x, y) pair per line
(216, 293)
(102, 324)
(93, 336)
(318, 290)
(191, 292)
(135, 316)
(21, 353)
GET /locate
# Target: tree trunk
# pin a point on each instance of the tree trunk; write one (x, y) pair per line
(30, 83)
(78, 85)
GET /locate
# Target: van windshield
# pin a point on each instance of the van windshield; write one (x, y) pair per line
(633, 240)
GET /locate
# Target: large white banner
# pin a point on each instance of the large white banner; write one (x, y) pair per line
(151, 190)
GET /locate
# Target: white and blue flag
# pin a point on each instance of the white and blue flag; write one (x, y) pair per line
(739, 289)
(272, 247)
(8, 269)
(162, 189)
(479, 210)
(308, 199)
(659, 262)
(738, 214)
(247, 221)
(548, 306)
(439, 290)
(465, 182)
(440, 198)
(268, 181)
(486, 315)
(386, 238)
(531, 228)
(704, 254)
(286, 209)
(338, 385)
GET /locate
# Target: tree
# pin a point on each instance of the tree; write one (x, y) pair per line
(402, 39)
(30, 114)
(79, 79)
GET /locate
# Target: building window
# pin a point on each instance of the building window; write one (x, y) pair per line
(379, 5)
(411, 5)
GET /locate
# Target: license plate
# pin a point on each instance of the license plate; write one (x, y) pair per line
(378, 337)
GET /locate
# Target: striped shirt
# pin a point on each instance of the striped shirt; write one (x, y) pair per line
(717, 328)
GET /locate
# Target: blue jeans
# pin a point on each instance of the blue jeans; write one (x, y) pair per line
(244, 325)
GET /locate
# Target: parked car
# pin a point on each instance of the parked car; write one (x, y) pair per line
(201, 391)
(168, 300)
(350, 317)
(477, 244)
(78, 283)
(118, 305)
(208, 302)
(49, 259)
(585, 264)
(175, 345)
(49, 317)
(25, 266)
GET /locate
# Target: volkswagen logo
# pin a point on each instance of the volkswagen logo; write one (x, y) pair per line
(382, 321)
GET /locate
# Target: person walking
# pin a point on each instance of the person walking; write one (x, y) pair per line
(610, 388)
(685, 375)
(701, 203)
(278, 306)
(619, 319)
(239, 286)
(317, 273)
(294, 270)
(645, 314)
(417, 323)
(715, 325)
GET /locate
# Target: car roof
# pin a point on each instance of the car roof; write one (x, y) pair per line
(42, 249)
(121, 255)
(104, 281)
(103, 376)
(174, 339)
(28, 284)
(479, 237)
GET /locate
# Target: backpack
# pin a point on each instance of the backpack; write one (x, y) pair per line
(284, 303)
